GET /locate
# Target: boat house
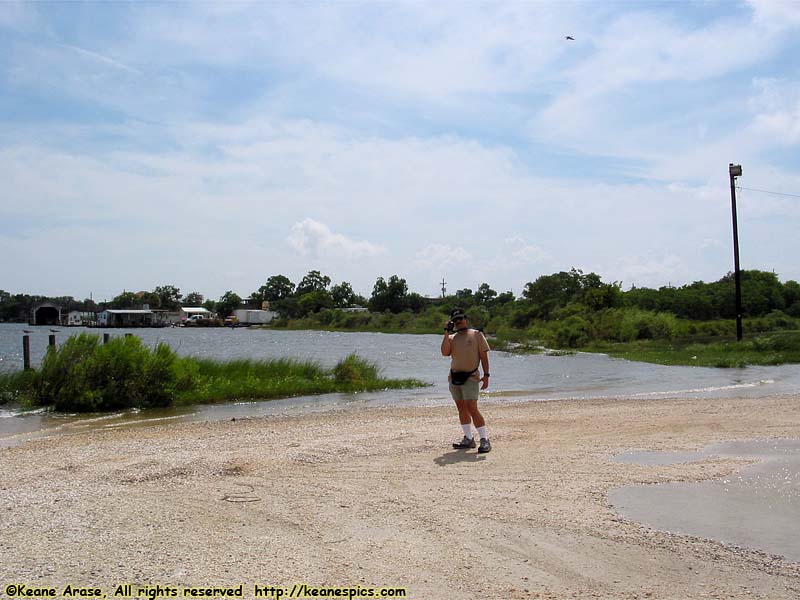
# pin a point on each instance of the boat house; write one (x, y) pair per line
(46, 314)
(76, 318)
(125, 318)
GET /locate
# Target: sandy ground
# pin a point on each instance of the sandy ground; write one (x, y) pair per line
(378, 498)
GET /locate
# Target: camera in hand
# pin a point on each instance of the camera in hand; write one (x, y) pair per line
(450, 327)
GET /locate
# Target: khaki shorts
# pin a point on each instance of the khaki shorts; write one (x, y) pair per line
(468, 391)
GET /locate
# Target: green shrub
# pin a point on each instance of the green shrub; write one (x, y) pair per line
(15, 386)
(709, 329)
(572, 332)
(774, 321)
(354, 370)
(777, 342)
(646, 325)
(86, 376)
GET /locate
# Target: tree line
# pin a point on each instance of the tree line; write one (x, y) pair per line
(549, 298)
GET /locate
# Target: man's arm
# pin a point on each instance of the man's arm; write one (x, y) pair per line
(485, 364)
(446, 349)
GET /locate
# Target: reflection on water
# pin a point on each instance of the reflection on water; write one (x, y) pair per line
(757, 508)
(514, 377)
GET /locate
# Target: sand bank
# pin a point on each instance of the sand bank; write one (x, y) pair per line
(378, 498)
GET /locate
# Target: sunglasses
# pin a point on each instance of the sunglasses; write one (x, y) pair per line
(457, 319)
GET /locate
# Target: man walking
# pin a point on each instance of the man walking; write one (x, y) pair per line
(467, 349)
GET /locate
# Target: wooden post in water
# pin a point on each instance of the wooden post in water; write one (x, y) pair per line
(26, 352)
(52, 342)
(106, 337)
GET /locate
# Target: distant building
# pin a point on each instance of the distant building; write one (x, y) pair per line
(46, 314)
(190, 311)
(125, 318)
(165, 318)
(355, 309)
(248, 316)
(77, 318)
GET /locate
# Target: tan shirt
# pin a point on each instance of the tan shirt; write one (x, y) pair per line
(465, 350)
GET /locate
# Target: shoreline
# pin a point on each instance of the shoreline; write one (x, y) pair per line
(376, 497)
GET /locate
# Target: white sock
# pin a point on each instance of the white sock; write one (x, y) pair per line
(482, 433)
(467, 430)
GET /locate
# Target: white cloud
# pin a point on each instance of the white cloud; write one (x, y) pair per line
(379, 204)
(389, 126)
(642, 93)
(310, 237)
(776, 13)
(425, 49)
(777, 107)
(655, 271)
(442, 258)
(515, 252)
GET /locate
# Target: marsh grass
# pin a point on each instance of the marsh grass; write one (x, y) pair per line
(209, 381)
(13, 386)
(776, 348)
(86, 376)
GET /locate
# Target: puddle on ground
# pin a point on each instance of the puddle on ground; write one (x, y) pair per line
(757, 507)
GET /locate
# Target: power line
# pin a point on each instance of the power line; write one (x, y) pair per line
(768, 192)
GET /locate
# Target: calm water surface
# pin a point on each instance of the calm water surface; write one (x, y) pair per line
(758, 507)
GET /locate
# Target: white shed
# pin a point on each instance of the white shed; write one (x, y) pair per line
(190, 311)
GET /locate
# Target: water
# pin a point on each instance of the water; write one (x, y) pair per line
(758, 507)
(514, 377)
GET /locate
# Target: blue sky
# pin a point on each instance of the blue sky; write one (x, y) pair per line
(211, 145)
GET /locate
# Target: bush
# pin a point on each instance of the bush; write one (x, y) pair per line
(431, 320)
(645, 325)
(85, 376)
(14, 387)
(354, 370)
(664, 326)
(572, 332)
(523, 314)
(710, 329)
(478, 316)
(777, 342)
(774, 321)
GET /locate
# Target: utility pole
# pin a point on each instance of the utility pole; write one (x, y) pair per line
(444, 289)
(736, 171)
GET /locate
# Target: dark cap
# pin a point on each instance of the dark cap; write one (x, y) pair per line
(457, 313)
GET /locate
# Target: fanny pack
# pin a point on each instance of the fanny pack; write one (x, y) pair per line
(461, 377)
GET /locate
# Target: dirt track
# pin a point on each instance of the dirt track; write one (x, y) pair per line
(377, 498)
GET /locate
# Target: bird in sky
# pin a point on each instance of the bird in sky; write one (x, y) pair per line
(569, 37)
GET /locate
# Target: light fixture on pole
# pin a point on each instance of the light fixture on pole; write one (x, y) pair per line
(736, 171)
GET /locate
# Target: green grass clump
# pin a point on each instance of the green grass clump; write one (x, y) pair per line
(767, 349)
(355, 371)
(14, 385)
(220, 381)
(216, 381)
(87, 376)
(84, 375)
